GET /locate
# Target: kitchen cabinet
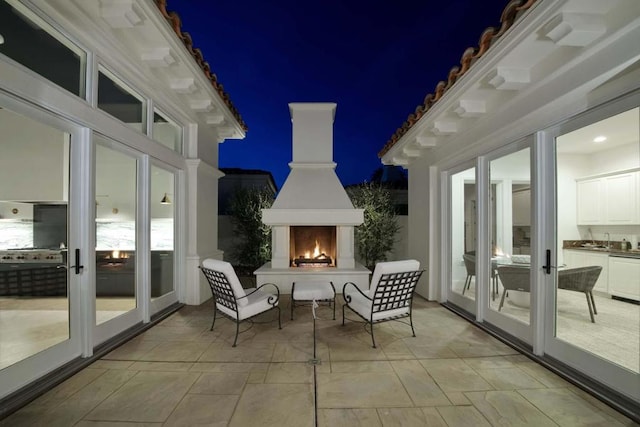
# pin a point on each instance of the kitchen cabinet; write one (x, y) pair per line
(521, 202)
(609, 200)
(582, 258)
(624, 277)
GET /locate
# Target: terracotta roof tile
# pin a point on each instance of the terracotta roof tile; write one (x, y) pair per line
(174, 21)
(470, 55)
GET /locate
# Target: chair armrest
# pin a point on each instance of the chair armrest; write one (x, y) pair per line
(273, 299)
(347, 298)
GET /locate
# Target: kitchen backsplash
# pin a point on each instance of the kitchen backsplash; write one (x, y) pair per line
(109, 235)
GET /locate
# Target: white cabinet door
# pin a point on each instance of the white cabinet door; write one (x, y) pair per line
(581, 258)
(624, 277)
(590, 208)
(521, 202)
(620, 199)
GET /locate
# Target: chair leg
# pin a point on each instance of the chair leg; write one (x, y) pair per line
(293, 303)
(373, 340)
(279, 324)
(411, 323)
(334, 307)
(467, 282)
(593, 303)
(237, 331)
(215, 310)
(343, 314)
(593, 320)
(504, 293)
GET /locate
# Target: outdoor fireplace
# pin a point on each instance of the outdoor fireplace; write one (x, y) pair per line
(313, 246)
(312, 219)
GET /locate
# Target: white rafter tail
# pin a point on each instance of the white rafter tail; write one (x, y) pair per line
(120, 13)
(471, 108)
(426, 141)
(575, 29)
(183, 86)
(510, 78)
(201, 105)
(444, 127)
(158, 57)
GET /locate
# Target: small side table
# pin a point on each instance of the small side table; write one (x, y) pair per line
(319, 291)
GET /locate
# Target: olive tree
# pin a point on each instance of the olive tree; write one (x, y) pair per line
(375, 237)
(253, 247)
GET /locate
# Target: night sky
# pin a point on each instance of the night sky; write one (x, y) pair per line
(376, 60)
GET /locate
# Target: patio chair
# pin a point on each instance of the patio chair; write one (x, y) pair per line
(581, 279)
(469, 259)
(232, 300)
(513, 279)
(389, 296)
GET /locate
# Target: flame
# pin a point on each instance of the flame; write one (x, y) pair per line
(316, 251)
(115, 254)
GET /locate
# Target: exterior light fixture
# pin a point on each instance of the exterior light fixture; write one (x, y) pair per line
(165, 200)
(1, 39)
(600, 138)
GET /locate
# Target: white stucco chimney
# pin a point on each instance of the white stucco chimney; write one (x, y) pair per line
(312, 194)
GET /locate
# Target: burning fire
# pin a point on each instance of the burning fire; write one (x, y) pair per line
(316, 253)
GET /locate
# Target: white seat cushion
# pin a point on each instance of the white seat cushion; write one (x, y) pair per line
(307, 291)
(256, 303)
(227, 269)
(391, 267)
(363, 307)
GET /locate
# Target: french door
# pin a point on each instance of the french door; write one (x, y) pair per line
(44, 280)
(599, 333)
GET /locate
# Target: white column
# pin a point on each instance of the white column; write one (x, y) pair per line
(344, 252)
(280, 246)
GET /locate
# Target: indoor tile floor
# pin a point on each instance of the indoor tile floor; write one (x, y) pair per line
(179, 373)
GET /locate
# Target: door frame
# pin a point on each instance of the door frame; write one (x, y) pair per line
(614, 376)
(33, 367)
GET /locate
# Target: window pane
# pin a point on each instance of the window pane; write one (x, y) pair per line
(120, 101)
(598, 279)
(162, 233)
(115, 232)
(463, 233)
(34, 44)
(34, 186)
(511, 235)
(166, 132)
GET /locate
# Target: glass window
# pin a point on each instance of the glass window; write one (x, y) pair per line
(162, 231)
(598, 279)
(119, 100)
(116, 195)
(167, 132)
(31, 42)
(463, 233)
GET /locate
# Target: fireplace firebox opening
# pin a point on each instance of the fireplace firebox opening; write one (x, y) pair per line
(313, 246)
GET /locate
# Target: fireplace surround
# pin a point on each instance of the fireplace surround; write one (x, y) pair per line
(312, 200)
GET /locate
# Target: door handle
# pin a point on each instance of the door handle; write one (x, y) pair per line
(547, 266)
(77, 267)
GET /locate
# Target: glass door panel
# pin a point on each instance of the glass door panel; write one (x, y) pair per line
(598, 280)
(116, 195)
(162, 231)
(38, 289)
(510, 231)
(463, 238)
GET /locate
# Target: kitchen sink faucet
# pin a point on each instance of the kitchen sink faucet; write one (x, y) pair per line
(608, 240)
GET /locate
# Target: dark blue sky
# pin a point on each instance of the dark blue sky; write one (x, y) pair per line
(376, 60)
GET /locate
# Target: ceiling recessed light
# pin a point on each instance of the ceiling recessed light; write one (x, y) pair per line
(600, 138)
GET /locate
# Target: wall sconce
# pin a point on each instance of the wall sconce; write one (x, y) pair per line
(165, 200)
